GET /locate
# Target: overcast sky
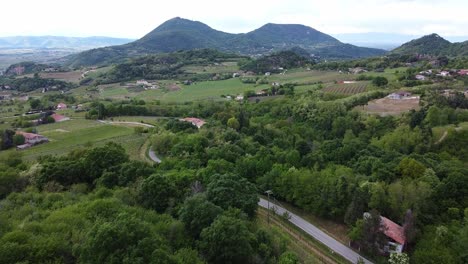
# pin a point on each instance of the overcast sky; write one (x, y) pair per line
(135, 18)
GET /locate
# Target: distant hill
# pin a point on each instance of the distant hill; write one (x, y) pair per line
(182, 34)
(54, 42)
(433, 45)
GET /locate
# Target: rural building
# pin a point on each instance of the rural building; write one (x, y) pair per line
(357, 70)
(396, 235)
(394, 232)
(59, 118)
(399, 95)
(239, 97)
(235, 75)
(143, 82)
(261, 93)
(444, 73)
(195, 121)
(267, 73)
(463, 72)
(61, 106)
(30, 139)
(420, 77)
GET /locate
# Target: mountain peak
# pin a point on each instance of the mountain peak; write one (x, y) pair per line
(432, 44)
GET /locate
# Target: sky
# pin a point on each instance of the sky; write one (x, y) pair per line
(135, 18)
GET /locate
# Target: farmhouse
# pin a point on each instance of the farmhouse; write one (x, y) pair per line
(463, 72)
(356, 70)
(61, 106)
(420, 77)
(394, 232)
(396, 235)
(143, 82)
(195, 121)
(399, 95)
(444, 74)
(267, 73)
(30, 139)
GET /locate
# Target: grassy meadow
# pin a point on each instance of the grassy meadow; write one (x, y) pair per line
(74, 134)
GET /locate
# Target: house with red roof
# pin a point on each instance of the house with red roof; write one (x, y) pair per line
(61, 106)
(396, 235)
(195, 121)
(30, 139)
(394, 232)
(463, 72)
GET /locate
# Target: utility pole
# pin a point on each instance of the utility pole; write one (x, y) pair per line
(268, 193)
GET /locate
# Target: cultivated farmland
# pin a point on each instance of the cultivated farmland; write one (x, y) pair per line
(347, 88)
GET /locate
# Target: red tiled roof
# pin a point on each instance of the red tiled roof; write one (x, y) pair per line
(393, 230)
(27, 135)
(195, 121)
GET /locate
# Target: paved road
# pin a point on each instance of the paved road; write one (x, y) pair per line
(153, 156)
(318, 234)
(124, 122)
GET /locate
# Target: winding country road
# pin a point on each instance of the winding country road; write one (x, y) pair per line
(316, 233)
(151, 153)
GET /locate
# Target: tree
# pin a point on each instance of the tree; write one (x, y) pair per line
(411, 168)
(233, 123)
(373, 230)
(123, 240)
(231, 190)
(35, 103)
(288, 258)
(198, 213)
(227, 240)
(18, 139)
(379, 81)
(101, 158)
(399, 258)
(156, 192)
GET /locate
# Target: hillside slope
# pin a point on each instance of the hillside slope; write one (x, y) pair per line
(182, 34)
(433, 45)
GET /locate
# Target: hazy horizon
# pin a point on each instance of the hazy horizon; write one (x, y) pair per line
(133, 19)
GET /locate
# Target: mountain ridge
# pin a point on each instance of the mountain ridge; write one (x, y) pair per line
(434, 45)
(183, 34)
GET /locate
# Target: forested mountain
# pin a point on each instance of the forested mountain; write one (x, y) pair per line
(433, 45)
(48, 42)
(182, 34)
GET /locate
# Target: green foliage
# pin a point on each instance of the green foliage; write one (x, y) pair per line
(230, 190)
(198, 213)
(379, 81)
(274, 62)
(124, 239)
(233, 123)
(155, 192)
(288, 258)
(227, 240)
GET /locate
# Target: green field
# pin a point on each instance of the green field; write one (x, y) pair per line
(303, 76)
(74, 134)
